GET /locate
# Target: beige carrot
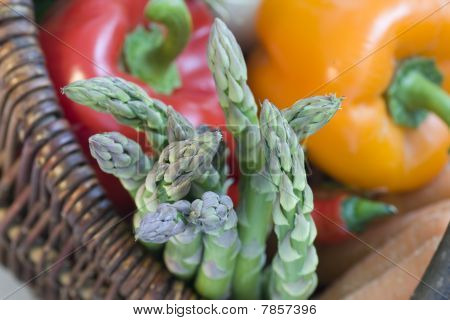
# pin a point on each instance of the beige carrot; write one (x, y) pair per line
(399, 247)
(335, 260)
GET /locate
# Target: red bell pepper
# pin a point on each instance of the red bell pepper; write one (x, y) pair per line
(339, 215)
(85, 39)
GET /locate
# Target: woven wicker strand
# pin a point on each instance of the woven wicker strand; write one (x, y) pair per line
(58, 231)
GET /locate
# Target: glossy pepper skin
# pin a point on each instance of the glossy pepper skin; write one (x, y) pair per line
(84, 39)
(351, 48)
(338, 215)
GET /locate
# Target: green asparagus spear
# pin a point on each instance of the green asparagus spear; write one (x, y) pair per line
(255, 212)
(292, 274)
(167, 221)
(255, 206)
(214, 214)
(127, 102)
(130, 105)
(180, 164)
(215, 179)
(170, 223)
(121, 157)
(308, 115)
(178, 129)
(182, 253)
(227, 64)
(220, 160)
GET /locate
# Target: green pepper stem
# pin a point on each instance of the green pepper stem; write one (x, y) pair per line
(415, 90)
(150, 54)
(419, 92)
(175, 16)
(357, 212)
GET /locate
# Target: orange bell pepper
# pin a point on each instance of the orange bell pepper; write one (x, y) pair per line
(382, 138)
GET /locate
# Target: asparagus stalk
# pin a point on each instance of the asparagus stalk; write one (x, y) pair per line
(167, 221)
(178, 127)
(255, 212)
(180, 164)
(121, 157)
(292, 273)
(227, 65)
(130, 105)
(220, 160)
(214, 214)
(182, 253)
(215, 179)
(127, 102)
(308, 115)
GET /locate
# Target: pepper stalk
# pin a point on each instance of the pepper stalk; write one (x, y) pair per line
(150, 54)
(415, 90)
(339, 215)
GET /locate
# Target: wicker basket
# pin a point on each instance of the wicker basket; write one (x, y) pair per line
(58, 231)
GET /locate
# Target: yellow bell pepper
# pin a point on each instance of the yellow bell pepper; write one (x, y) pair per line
(389, 58)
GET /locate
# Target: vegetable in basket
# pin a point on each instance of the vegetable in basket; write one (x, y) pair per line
(388, 58)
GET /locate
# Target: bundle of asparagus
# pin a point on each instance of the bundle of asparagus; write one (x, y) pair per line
(180, 190)
(257, 191)
(212, 215)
